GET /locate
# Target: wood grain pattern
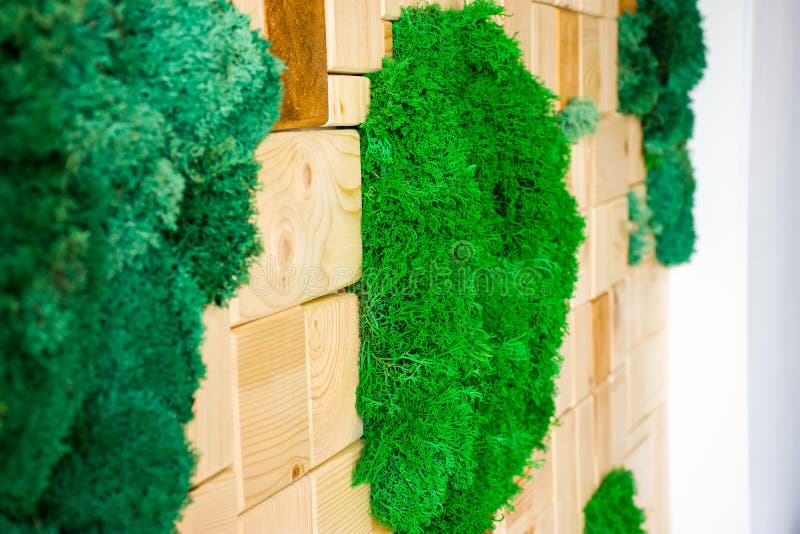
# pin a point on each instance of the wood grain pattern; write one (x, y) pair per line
(211, 430)
(612, 159)
(290, 511)
(601, 337)
(348, 100)
(339, 506)
(589, 57)
(213, 507)
(354, 36)
(569, 56)
(609, 244)
(309, 218)
(544, 60)
(607, 96)
(297, 32)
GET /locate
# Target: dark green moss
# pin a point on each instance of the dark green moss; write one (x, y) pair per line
(469, 259)
(612, 509)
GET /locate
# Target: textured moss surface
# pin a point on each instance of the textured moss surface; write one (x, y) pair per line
(662, 58)
(612, 509)
(469, 259)
(578, 118)
(640, 242)
(126, 177)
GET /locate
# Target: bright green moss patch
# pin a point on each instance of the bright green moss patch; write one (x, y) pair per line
(612, 509)
(578, 118)
(662, 58)
(126, 176)
(469, 259)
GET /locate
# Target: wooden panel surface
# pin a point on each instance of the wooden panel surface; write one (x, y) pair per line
(647, 377)
(309, 218)
(583, 288)
(609, 244)
(544, 44)
(290, 511)
(213, 507)
(601, 338)
(297, 33)
(348, 100)
(518, 24)
(583, 346)
(586, 468)
(589, 57)
(607, 101)
(565, 461)
(569, 56)
(354, 36)
(612, 159)
(340, 506)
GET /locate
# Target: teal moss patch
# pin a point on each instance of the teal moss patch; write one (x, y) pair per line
(126, 177)
(662, 58)
(640, 243)
(612, 509)
(469, 261)
(578, 118)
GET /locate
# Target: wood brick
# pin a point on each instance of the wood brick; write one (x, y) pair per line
(388, 39)
(289, 511)
(609, 243)
(583, 348)
(565, 458)
(213, 507)
(545, 523)
(297, 372)
(642, 461)
(627, 6)
(609, 43)
(583, 288)
(636, 171)
(601, 338)
(583, 170)
(624, 319)
(211, 430)
(354, 36)
(569, 56)
(544, 60)
(611, 422)
(519, 25)
(309, 217)
(611, 8)
(565, 382)
(348, 99)
(340, 507)
(589, 57)
(592, 7)
(612, 159)
(653, 286)
(586, 467)
(647, 377)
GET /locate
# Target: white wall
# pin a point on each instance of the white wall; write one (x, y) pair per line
(708, 420)
(774, 256)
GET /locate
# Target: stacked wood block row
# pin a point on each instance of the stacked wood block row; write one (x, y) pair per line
(611, 404)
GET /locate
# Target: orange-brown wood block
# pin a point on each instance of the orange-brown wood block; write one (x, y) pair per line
(565, 459)
(297, 33)
(569, 56)
(627, 6)
(296, 372)
(607, 102)
(544, 44)
(647, 377)
(348, 99)
(211, 430)
(586, 467)
(609, 244)
(589, 57)
(612, 159)
(309, 218)
(213, 507)
(354, 36)
(387, 38)
(601, 337)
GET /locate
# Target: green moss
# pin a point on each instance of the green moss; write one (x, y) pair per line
(640, 243)
(578, 118)
(126, 176)
(612, 509)
(469, 259)
(662, 58)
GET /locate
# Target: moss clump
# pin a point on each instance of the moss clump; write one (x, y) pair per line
(469, 259)
(579, 118)
(640, 216)
(662, 58)
(126, 177)
(612, 509)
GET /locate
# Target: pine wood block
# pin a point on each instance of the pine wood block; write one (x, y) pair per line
(611, 8)
(297, 372)
(348, 99)
(612, 159)
(636, 172)
(583, 346)
(601, 337)
(569, 85)
(544, 44)
(565, 458)
(583, 288)
(586, 467)
(354, 36)
(211, 430)
(565, 382)
(213, 507)
(255, 10)
(609, 244)
(647, 377)
(589, 57)
(583, 170)
(288, 511)
(387, 39)
(642, 461)
(545, 523)
(653, 297)
(607, 102)
(641, 431)
(593, 7)
(339, 506)
(309, 216)
(611, 422)
(518, 24)
(297, 32)
(624, 319)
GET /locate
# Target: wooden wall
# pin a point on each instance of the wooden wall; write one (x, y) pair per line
(276, 427)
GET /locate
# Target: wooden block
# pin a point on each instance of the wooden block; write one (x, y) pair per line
(211, 430)
(592, 7)
(542, 488)
(641, 431)
(297, 373)
(348, 100)
(518, 24)
(583, 346)
(354, 36)
(589, 57)
(297, 33)
(544, 44)
(609, 244)
(339, 506)
(289, 511)
(647, 377)
(607, 101)
(309, 218)
(653, 287)
(583, 288)
(612, 159)
(642, 461)
(387, 39)
(545, 523)
(255, 10)
(213, 507)
(583, 170)
(611, 8)
(634, 152)
(625, 319)
(586, 467)
(601, 338)
(565, 458)
(611, 423)
(565, 382)
(569, 56)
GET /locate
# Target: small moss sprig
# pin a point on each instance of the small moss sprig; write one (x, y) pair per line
(578, 118)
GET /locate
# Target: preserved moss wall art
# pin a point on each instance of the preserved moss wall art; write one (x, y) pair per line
(126, 177)
(662, 58)
(578, 118)
(612, 509)
(469, 261)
